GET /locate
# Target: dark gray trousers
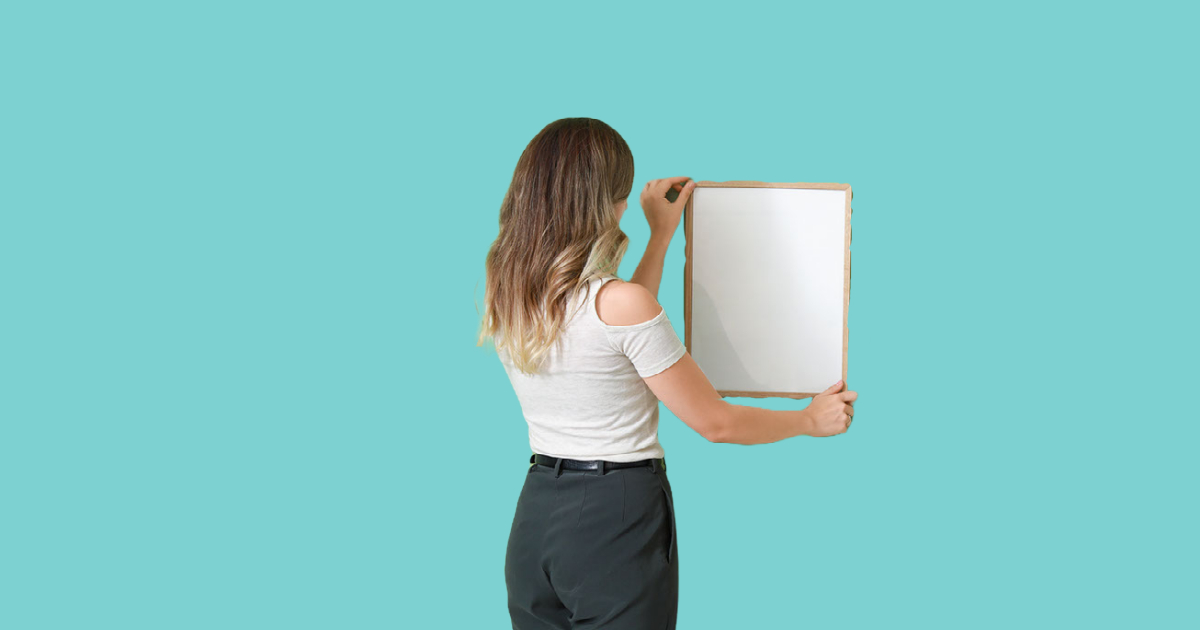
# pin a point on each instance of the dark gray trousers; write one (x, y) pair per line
(593, 551)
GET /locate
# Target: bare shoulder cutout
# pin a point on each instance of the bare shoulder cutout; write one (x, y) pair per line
(627, 304)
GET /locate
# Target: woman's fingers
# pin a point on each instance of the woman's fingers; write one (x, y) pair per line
(663, 185)
(671, 181)
(832, 388)
(656, 189)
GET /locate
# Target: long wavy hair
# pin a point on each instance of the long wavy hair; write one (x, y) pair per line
(559, 229)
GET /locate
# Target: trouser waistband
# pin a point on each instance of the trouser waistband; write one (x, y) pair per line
(600, 465)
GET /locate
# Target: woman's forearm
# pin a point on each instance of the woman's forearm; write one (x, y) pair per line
(754, 425)
(649, 270)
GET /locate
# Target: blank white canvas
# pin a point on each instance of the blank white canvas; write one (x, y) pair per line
(767, 293)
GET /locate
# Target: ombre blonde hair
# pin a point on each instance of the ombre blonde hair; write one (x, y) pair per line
(559, 229)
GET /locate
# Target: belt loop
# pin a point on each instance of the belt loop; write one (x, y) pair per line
(654, 466)
(601, 464)
(558, 467)
(533, 458)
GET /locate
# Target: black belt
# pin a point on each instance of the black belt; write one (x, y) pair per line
(594, 464)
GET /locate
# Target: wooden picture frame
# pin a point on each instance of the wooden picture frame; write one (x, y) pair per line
(826, 284)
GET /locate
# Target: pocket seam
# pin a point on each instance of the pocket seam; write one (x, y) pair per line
(670, 520)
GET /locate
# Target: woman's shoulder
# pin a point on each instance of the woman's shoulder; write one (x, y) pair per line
(620, 303)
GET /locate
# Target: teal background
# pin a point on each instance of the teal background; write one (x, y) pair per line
(241, 274)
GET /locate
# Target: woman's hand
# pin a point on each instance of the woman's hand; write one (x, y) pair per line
(663, 215)
(831, 411)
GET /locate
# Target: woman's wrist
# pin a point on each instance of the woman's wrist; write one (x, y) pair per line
(804, 421)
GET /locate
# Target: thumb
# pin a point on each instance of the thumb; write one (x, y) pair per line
(833, 389)
(686, 192)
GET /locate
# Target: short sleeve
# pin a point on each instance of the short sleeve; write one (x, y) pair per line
(652, 346)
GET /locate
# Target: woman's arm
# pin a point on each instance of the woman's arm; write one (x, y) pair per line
(649, 270)
(687, 392)
(662, 215)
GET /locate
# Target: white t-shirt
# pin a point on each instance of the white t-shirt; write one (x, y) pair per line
(589, 401)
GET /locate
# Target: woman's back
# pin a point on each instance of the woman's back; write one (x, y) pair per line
(588, 401)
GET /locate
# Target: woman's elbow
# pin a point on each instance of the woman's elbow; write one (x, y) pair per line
(718, 424)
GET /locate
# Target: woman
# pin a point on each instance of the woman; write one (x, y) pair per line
(593, 541)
